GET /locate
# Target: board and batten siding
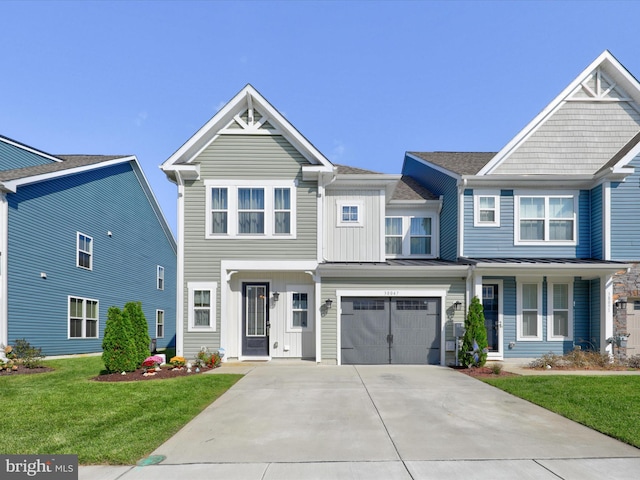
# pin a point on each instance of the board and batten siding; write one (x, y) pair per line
(242, 157)
(455, 288)
(359, 243)
(625, 220)
(442, 185)
(44, 219)
(499, 241)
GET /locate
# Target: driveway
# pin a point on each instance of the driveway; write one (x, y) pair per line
(391, 422)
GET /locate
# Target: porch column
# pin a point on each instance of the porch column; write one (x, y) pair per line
(606, 314)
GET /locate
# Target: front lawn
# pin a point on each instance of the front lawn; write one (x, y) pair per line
(608, 404)
(64, 412)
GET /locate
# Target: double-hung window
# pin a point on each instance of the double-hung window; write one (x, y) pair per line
(529, 310)
(84, 246)
(202, 306)
(486, 209)
(410, 236)
(249, 210)
(159, 323)
(560, 323)
(160, 277)
(393, 236)
(420, 236)
(546, 219)
(83, 318)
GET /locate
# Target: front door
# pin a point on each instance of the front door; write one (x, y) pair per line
(255, 319)
(491, 306)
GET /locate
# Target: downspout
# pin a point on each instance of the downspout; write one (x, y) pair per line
(462, 184)
(4, 269)
(180, 269)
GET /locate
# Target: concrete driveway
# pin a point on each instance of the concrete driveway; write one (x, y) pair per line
(369, 422)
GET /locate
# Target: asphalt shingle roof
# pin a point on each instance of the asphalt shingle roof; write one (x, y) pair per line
(69, 161)
(462, 163)
(409, 189)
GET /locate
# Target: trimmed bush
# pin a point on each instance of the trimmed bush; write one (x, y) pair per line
(119, 352)
(474, 343)
(140, 330)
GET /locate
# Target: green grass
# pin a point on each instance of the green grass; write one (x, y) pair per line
(608, 404)
(64, 412)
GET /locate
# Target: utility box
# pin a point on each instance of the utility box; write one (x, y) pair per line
(458, 330)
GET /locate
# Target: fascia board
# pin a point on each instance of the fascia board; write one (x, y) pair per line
(586, 270)
(29, 149)
(207, 134)
(12, 185)
(450, 173)
(510, 182)
(352, 270)
(545, 113)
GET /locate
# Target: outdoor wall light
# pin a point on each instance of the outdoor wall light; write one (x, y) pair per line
(276, 296)
(328, 302)
(457, 305)
(620, 304)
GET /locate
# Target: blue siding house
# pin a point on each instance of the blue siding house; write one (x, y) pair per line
(79, 234)
(550, 223)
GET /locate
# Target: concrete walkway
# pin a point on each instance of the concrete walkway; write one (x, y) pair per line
(377, 422)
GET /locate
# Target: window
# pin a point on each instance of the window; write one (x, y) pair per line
(160, 278)
(393, 236)
(83, 318)
(549, 219)
(350, 214)
(529, 316)
(300, 316)
(159, 323)
(219, 211)
(300, 310)
(560, 323)
(251, 210)
(244, 209)
(282, 210)
(486, 209)
(410, 236)
(420, 236)
(202, 312)
(412, 305)
(369, 304)
(85, 251)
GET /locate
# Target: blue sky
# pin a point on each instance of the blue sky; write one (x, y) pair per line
(363, 81)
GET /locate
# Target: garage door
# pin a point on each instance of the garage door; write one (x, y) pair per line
(378, 330)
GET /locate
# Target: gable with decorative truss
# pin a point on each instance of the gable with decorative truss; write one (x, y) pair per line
(599, 86)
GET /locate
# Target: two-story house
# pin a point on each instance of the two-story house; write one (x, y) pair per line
(549, 220)
(284, 255)
(79, 234)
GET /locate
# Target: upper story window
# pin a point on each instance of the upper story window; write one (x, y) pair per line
(549, 219)
(350, 214)
(249, 210)
(84, 256)
(407, 236)
(160, 278)
(486, 209)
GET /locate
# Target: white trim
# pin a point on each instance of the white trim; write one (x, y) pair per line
(308, 290)
(406, 234)
(477, 196)
(400, 292)
(550, 309)
(84, 317)
(164, 324)
(461, 218)
(159, 277)
(606, 221)
(180, 326)
(318, 316)
(88, 252)
(213, 289)
(4, 265)
(606, 313)
(240, 315)
(520, 281)
(517, 195)
(269, 188)
(29, 149)
(359, 206)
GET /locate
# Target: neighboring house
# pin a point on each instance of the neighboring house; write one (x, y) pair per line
(283, 254)
(551, 219)
(79, 234)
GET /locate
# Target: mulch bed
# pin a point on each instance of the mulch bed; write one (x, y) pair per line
(22, 370)
(483, 372)
(138, 375)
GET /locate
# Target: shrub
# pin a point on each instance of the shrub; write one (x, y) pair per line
(178, 362)
(140, 330)
(633, 361)
(474, 343)
(119, 351)
(496, 368)
(207, 359)
(30, 357)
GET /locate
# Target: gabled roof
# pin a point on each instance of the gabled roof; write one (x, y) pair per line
(408, 189)
(460, 163)
(246, 113)
(604, 102)
(65, 162)
(14, 154)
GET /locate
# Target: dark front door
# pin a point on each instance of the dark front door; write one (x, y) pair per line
(490, 297)
(255, 319)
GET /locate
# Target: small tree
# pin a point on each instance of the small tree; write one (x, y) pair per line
(140, 330)
(474, 343)
(118, 348)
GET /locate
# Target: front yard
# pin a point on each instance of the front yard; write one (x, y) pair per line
(608, 404)
(64, 412)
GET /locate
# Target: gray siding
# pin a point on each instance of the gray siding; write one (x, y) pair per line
(625, 220)
(242, 157)
(579, 138)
